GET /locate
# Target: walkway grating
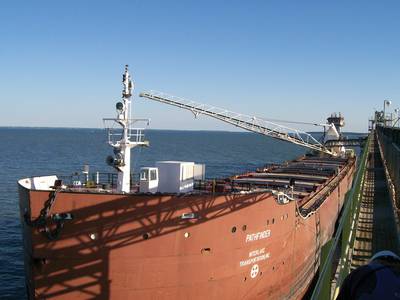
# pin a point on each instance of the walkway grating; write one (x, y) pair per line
(376, 227)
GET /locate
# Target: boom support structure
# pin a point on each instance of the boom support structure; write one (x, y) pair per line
(246, 122)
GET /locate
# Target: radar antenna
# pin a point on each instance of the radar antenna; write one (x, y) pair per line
(246, 122)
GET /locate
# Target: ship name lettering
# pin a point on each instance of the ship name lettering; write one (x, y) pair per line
(258, 236)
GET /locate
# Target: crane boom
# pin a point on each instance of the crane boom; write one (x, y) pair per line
(246, 122)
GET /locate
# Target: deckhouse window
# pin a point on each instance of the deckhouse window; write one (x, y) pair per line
(153, 175)
(144, 174)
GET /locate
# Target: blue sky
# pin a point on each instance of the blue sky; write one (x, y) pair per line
(61, 61)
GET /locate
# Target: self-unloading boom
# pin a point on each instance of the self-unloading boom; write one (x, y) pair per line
(246, 122)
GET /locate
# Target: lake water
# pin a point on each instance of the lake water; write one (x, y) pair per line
(29, 152)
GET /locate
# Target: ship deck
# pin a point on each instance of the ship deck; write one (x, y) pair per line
(302, 179)
(305, 176)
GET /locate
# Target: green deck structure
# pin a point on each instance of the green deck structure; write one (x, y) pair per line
(370, 219)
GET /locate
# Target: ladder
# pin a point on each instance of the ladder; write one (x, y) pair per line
(317, 241)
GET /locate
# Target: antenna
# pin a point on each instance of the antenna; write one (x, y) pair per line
(125, 137)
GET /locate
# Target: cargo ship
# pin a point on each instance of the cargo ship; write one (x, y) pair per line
(173, 234)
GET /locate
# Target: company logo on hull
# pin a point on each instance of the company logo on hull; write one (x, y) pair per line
(254, 271)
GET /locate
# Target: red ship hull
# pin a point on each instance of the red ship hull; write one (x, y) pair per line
(138, 246)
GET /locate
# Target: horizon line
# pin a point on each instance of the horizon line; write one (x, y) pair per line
(158, 129)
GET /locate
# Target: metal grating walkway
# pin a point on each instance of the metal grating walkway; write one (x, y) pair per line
(376, 227)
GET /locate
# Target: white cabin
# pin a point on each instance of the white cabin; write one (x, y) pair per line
(148, 180)
(171, 177)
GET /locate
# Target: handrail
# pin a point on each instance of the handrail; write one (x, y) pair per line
(349, 204)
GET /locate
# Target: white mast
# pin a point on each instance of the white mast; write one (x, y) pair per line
(129, 137)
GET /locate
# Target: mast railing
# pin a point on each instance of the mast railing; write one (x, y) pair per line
(115, 133)
(243, 121)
